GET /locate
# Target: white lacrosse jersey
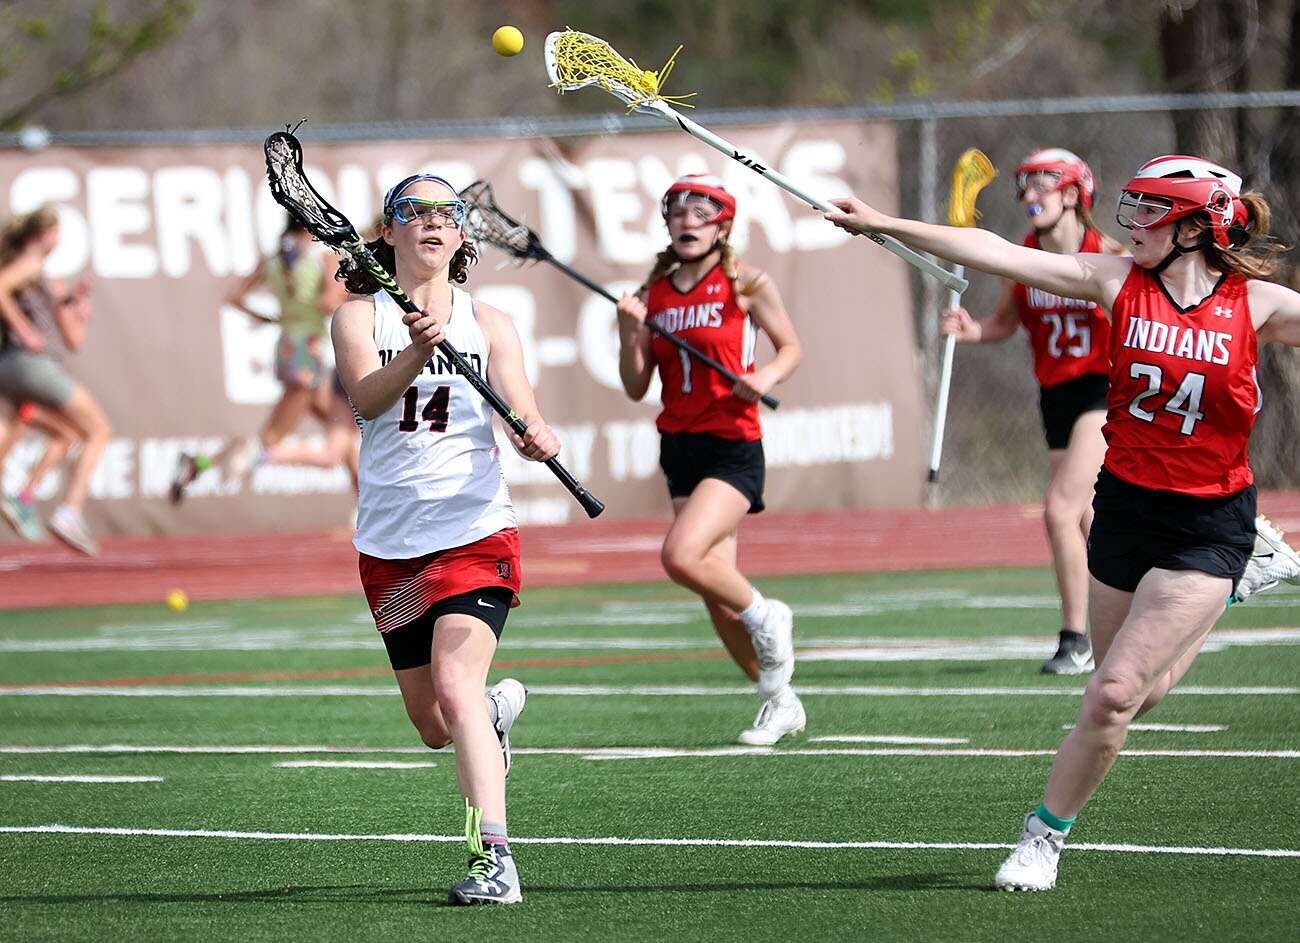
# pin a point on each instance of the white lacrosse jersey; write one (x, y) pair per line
(431, 475)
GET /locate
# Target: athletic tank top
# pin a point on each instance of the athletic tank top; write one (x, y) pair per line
(36, 301)
(1069, 337)
(696, 398)
(298, 288)
(431, 476)
(1183, 388)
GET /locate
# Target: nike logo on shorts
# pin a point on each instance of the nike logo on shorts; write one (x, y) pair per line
(486, 605)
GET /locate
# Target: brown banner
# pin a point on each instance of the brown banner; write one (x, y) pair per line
(166, 231)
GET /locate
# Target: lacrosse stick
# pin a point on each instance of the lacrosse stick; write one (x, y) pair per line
(293, 191)
(487, 222)
(575, 60)
(970, 175)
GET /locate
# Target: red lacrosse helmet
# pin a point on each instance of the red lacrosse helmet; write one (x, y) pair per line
(705, 185)
(1066, 166)
(1175, 186)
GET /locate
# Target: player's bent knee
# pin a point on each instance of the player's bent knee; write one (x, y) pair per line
(1111, 701)
(680, 562)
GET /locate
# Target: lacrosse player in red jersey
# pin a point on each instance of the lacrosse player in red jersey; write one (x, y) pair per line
(1174, 509)
(711, 446)
(1069, 340)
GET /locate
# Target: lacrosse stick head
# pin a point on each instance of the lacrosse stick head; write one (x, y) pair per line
(575, 60)
(293, 191)
(971, 174)
(487, 222)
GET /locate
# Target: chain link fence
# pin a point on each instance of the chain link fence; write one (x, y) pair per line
(994, 449)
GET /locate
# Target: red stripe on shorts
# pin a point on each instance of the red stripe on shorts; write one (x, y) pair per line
(400, 591)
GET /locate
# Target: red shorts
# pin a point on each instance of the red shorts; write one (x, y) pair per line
(400, 591)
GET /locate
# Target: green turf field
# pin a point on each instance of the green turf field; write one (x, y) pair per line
(633, 815)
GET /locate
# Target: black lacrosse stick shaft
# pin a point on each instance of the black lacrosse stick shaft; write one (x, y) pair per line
(590, 503)
(293, 191)
(766, 399)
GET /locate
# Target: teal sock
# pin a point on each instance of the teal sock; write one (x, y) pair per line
(1052, 821)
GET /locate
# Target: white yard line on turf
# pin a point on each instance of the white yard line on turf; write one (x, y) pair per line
(1169, 728)
(662, 842)
(351, 764)
(886, 738)
(657, 753)
(81, 779)
(572, 690)
(203, 637)
(630, 753)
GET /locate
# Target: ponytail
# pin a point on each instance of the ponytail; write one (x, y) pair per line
(1258, 256)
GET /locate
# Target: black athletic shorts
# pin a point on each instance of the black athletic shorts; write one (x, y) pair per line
(1136, 529)
(412, 645)
(687, 458)
(1063, 404)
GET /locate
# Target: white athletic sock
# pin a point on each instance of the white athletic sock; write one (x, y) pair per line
(752, 616)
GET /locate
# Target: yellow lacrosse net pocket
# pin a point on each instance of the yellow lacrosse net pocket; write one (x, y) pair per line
(577, 59)
(970, 175)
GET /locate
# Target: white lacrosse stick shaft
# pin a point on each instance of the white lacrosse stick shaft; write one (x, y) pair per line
(945, 380)
(661, 109)
(954, 283)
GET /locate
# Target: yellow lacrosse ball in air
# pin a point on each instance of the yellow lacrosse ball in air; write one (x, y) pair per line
(508, 41)
(177, 601)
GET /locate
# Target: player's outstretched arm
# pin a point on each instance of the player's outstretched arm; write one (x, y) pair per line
(507, 376)
(1092, 277)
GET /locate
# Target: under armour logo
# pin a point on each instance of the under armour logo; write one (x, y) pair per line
(712, 289)
(1222, 312)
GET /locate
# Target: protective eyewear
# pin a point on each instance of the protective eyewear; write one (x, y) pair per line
(695, 206)
(408, 209)
(1039, 181)
(1140, 211)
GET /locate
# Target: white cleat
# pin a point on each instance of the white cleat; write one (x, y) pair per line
(1032, 865)
(69, 525)
(774, 645)
(509, 696)
(1273, 561)
(778, 717)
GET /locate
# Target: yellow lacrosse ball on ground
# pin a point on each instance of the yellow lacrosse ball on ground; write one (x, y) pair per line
(177, 601)
(507, 41)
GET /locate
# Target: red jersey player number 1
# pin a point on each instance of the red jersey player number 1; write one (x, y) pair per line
(711, 446)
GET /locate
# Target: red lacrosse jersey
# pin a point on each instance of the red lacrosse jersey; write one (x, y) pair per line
(1069, 337)
(1183, 388)
(696, 397)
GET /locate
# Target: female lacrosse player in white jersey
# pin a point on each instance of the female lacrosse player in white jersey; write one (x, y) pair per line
(435, 526)
(711, 446)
